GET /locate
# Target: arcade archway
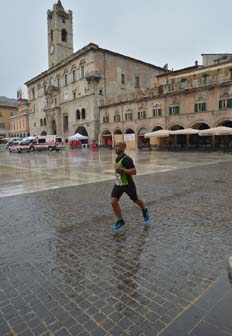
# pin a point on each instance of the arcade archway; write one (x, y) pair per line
(107, 138)
(81, 130)
(223, 141)
(196, 140)
(129, 138)
(141, 140)
(178, 139)
(118, 135)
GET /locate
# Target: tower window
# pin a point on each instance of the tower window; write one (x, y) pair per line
(64, 35)
(122, 78)
(63, 19)
(82, 71)
(51, 35)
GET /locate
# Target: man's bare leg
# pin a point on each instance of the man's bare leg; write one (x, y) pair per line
(116, 208)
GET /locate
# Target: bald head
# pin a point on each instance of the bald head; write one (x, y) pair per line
(120, 147)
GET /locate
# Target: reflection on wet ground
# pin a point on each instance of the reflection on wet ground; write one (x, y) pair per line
(63, 271)
(31, 172)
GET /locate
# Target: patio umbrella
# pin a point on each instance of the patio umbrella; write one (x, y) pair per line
(159, 134)
(185, 131)
(219, 130)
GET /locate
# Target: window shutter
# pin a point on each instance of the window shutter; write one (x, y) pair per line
(229, 103)
(196, 108)
(203, 106)
(170, 111)
(220, 104)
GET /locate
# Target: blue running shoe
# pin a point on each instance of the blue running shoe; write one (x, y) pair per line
(145, 214)
(118, 225)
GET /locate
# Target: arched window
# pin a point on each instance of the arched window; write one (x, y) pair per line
(78, 115)
(45, 122)
(41, 122)
(64, 35)
(83, 116)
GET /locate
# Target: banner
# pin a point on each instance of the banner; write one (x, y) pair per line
(129, 137)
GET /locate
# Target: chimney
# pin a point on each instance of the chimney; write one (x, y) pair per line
(196, 63)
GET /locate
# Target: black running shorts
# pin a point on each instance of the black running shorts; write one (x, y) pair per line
(129, 189)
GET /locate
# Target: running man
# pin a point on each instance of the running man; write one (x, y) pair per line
(124, 169)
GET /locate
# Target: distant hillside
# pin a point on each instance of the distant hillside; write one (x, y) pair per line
(8, 101)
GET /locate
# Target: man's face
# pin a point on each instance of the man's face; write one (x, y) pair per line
(119, 148)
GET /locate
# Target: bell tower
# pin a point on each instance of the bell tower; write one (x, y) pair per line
(60, 34)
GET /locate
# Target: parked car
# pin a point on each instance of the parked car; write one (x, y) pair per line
(12, 146)
(24, 145)
(9, 142)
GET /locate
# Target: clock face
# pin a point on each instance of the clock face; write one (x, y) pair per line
(52, 49)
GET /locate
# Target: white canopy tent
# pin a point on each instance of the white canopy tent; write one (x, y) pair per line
(185, 131)
(219, 130)
(77, 136)
(159, 134)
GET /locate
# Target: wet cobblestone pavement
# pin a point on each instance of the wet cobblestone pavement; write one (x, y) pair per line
(64, 272)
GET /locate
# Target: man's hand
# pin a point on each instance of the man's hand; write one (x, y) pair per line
(118, 168)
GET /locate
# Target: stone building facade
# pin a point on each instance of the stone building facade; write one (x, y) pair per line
(197, 97)
(8, 108)
(66, 98)
(19, 123)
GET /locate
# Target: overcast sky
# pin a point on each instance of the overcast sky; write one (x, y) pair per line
(176, 32)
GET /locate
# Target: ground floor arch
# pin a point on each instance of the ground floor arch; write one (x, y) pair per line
(44, 133)
(130, 138)
(81, 130)
(129, 131)
(117, 131)
(118, 135)
(177, 139)
(223, 141)
(198, 141)
(156, 128)
(107, 139)
(142, 142)
(226, 123)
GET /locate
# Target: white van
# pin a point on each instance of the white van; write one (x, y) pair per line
(47, 142)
